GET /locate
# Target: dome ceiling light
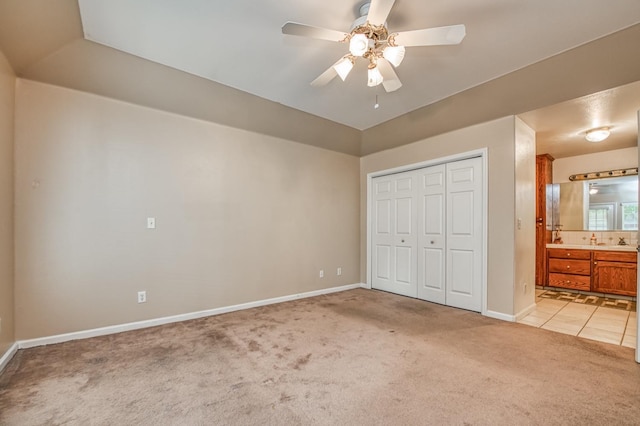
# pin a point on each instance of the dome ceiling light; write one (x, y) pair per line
(597, 135)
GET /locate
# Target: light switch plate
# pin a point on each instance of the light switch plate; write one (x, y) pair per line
(151, 223)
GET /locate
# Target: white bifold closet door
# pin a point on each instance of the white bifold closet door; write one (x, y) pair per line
(395, 234)
(427, 234)
(464, 234)
(432, 234)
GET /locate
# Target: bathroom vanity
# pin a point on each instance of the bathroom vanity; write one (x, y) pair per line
(600, 269)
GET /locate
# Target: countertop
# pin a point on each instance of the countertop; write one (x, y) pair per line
(590, 247)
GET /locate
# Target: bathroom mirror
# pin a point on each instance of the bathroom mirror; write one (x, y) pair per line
(598, 204)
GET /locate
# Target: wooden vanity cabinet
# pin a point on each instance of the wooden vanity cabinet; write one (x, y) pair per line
(615, 272)
(570, 268)
(599, 271)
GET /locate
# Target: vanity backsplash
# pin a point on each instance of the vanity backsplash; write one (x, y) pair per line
(610, 238)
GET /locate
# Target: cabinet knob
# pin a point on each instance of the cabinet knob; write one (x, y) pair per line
(568, 267)
(568, 254)
(432, 242)
(595, 263)
(403, 241)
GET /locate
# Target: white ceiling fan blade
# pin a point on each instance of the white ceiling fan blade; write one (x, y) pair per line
(325, 77)
(379, 11)
(390, 81)
(452, 34)
(294, 28)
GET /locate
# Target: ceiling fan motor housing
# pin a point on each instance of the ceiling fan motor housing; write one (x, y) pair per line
(364, 12)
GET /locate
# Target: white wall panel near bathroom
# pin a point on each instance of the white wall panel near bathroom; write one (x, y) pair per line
(394, 234)
(427, 233)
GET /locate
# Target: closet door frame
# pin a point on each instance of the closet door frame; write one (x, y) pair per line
(483, 154)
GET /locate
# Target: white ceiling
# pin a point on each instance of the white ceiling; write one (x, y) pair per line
(561, 128)
(239, 44)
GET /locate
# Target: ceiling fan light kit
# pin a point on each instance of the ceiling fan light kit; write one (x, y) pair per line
(370, 39)
(394, 54)
(373, 76)
(358, 45)
(343, 67)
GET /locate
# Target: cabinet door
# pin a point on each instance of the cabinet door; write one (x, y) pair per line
(544, 172)
(615, 277)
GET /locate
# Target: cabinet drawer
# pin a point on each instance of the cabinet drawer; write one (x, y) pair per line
(569, 253)
(615, 256)
(569, 266)
(577, 282)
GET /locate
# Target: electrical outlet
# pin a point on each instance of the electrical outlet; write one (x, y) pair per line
(321, 273)
(339, 271)
(142, 297)
(151, 223)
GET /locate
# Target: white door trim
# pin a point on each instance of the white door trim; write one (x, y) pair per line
(483, 154)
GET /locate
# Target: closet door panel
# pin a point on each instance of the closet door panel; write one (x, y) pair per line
(464, 234)
(431, 234)
(394, 236)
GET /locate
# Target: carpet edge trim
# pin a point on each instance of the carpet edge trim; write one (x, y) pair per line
(8, 356)
(102, 331)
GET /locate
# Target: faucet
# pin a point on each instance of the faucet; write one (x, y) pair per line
(621, 241)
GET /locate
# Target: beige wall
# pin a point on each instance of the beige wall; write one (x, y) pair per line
(7, 101)
(499, 137)
(525, 230)
(240, 216)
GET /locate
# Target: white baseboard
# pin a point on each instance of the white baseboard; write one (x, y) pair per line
(526, 311)
(365, 285)
(8, 355)
(85, 334)
(500, 316)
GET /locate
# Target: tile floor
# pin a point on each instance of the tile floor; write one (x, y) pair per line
(604, 324)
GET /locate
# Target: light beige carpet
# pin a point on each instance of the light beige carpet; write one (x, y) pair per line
(357, 357)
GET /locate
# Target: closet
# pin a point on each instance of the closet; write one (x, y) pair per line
(426, 235)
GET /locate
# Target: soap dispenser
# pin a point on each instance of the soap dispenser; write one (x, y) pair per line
(594, 240)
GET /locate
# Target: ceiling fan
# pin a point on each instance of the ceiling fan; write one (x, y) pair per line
(369, 39)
